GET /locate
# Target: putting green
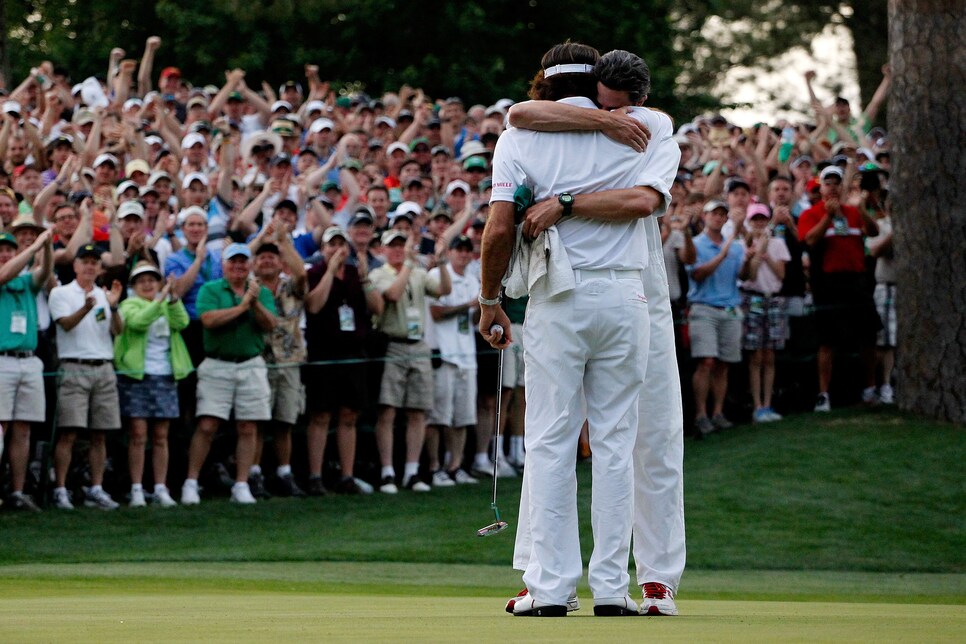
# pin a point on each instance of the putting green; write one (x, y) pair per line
(411, 602)
(238, 616)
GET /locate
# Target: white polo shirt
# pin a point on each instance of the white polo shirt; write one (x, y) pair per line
(454, 335)
(91, 338)
(584, 162)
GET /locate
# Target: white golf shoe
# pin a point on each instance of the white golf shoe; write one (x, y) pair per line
(658, 600)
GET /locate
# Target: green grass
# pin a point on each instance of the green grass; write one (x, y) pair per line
(848, 526)
(853, 490)
(449, 602)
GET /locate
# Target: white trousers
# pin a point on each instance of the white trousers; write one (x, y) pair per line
(659, 543)
(582, 345)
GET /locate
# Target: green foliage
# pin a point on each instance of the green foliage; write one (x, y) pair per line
(479, 51)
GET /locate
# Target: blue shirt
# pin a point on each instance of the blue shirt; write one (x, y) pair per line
(178, 263)
(721, 287)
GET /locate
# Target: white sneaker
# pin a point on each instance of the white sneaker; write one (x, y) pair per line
(504, 469)
(527, 606)
(460, 477)
(573, 604)
(137, 499)
(363, 485)
(189, 494)
(99, 499)
(416, 484)
(886, 395)
(658, 600)
(241, 493)
(442, 479)
(615, 607)
(387, 486)
(62, 499)
(868, 396)
(823, 403)
(163, 498)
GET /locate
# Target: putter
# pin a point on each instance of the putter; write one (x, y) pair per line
(499, 525)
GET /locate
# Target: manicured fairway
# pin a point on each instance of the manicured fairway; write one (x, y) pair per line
(426, 602)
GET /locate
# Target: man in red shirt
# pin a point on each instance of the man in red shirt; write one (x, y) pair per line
(845, 313)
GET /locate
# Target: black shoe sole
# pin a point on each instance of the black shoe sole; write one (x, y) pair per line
(614, 611)
(544, 611)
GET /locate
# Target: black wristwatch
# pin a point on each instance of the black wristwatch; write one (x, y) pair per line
(567, 201)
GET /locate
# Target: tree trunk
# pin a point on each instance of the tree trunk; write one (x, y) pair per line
(927, 117)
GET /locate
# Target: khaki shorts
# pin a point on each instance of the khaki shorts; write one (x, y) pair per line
(407, 377)
(22, 390)
(715, 333)
(454, 397)
(243, 386)
(513, 370)
(288, 395)
(87, 397)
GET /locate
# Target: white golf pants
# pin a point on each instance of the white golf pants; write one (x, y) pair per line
(659, 543)
(582, 345)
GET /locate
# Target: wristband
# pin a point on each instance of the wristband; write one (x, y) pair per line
(488, 302)
(369, 288)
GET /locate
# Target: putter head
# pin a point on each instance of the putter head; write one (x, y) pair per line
(492, 529)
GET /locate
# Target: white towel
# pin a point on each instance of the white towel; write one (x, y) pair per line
(528, 265)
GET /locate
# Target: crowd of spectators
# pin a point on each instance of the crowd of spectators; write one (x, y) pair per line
(207, 269)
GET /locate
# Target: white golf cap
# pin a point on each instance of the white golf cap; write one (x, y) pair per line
(130, 209)
(331, 232)
(386, 121)
(830, 171)
(321, 124)
(408, 207)
(398, 145)
(279, 105)
(132, 102)
(126, 185)
(194, 176)
(457, 184)
(192, 210)
(314, 106)
(157, 176)
(192, 139)
(105, 158)
(154, 139)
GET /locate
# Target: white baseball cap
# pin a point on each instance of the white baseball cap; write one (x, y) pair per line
(105, 158)
(398, 145)
(321, 124)
(457, 184)
(192, 139)
(194, 176)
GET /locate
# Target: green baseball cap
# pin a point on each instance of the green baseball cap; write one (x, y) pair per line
(7, 238)
(419, 140)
